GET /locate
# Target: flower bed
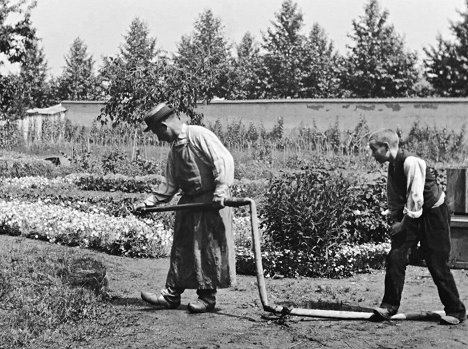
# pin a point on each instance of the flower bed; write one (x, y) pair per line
(123, 236)
(343, 262)
(117, 182)
(38, 182)
(130, 236)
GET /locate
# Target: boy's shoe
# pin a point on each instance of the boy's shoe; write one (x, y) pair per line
(451, 319)
(158, 301)
(200, 306)
(383, 314)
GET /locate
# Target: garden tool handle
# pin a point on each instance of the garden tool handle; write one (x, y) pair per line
(237, 202)
(230, 202)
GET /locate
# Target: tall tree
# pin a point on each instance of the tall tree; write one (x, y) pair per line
(140, 76)
(285, 54)
(321, 78)
(447, 64)
(128, 77)
(205, 56)
(378, 65)
(78, 81)
(16, 37)
(248, 70)
(33, 87)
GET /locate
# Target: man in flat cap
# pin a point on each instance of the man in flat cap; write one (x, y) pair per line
(202, 254)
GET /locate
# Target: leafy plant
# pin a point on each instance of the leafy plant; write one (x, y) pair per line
(313, 212)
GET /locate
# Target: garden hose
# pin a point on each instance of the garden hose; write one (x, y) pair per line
(281, 310)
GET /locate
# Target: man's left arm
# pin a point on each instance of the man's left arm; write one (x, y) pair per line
(219, 158)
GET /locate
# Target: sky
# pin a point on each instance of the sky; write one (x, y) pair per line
(101, 24)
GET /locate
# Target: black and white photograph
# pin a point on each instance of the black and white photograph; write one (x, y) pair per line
(246, 174)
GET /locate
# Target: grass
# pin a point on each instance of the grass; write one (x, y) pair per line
(50, 295)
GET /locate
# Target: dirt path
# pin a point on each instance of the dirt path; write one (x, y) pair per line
(239, 321)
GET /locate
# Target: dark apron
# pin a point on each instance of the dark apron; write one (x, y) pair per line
(202, 254)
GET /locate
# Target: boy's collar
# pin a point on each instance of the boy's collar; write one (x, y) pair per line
(393, 153)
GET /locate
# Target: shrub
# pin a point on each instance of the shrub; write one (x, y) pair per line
(25, 166)
(118, 182)
(310, 214)
(114, 161)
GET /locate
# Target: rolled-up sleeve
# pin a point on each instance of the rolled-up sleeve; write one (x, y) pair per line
(415, 171)
(167, 189)
(217, 156)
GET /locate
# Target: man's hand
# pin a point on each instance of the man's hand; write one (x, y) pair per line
(396, 228)
(218, 202)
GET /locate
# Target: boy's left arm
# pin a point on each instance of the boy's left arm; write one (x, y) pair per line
(415, 171)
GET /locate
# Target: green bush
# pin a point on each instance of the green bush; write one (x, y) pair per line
(313, 212)
(25, 166)
(117, 182)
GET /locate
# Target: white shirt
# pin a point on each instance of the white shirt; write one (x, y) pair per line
(207, 146)
(415, 171)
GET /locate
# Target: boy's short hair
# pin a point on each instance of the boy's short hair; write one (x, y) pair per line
(385, 135)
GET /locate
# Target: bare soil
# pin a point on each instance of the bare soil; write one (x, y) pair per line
(240, 322)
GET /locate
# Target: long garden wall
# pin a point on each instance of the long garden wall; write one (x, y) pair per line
(451, 113)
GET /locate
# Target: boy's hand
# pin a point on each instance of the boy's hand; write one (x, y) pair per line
(396, 228)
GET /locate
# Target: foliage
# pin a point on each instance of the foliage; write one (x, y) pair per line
(115, 204)
(17, 37)
(205, 55)
(128, 77)
(435, 144)
(315, 211)
(118, 182)
(284, 56)
(25, 166)
(343, 262)
(10, 135)
(38, 292)
(113, 161)
(33, 88)
(248, 70)
(140, 77)
(378, 64)
(321, 64)
(447, 64)
(78, 81)
(126, 236)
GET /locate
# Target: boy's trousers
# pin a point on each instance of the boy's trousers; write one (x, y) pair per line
(432, 230)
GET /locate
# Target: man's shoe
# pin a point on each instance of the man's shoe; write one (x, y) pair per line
(158, 301)
(200, 306)
(382, 314)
